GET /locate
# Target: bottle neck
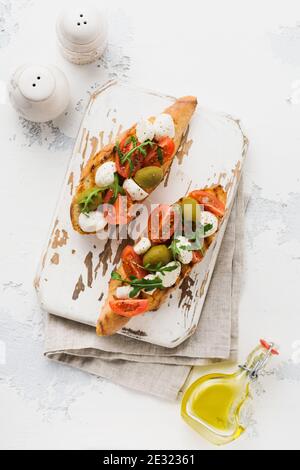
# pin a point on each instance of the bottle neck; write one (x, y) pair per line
(256, 363)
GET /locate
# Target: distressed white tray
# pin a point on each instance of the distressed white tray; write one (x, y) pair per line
(74, 271)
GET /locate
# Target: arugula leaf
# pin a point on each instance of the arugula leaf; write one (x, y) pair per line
(116, 276)
(136, 148)
(139, 284)
(116, 188)
(160, 155)
(119, 151)
(160, 269)
(88, 199)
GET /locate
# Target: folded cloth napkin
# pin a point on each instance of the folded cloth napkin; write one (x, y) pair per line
(154, 369)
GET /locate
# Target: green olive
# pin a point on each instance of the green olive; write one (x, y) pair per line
(159, 254)
(190, 209)
(90, 199)
(149, 177)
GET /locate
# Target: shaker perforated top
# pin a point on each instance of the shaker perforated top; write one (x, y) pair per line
(36, 83)
(81, 24)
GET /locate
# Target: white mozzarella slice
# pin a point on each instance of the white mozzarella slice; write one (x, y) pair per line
(164, 126)
(92, 222)
(144, 131)
(150, 277)
(134, 190)
(185, 255)
(123, 292)
(207, 218)
(170, 278)
(105, 174)
(142, 246)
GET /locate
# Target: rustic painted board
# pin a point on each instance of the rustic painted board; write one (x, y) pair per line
(73, 276)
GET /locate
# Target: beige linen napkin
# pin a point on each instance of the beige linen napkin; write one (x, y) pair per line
(154, 369)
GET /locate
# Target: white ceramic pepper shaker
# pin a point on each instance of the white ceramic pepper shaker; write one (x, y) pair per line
(82, 33)
(39, 93)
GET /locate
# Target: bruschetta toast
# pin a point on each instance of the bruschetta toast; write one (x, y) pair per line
(133, 166)
(161, 259)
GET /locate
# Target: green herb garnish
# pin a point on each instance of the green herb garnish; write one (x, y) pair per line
(159, 268)
(89, 199)
(139, 284)
(140, 148)
(160, 155)
(116, 188)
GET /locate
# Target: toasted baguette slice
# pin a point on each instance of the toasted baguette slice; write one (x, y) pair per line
(109, 322)
(181, 112)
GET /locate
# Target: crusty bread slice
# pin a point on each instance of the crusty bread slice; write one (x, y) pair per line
(109, 322)
(181, 111)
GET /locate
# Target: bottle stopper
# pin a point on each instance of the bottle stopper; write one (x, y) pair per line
(39, 93)
(82, 33)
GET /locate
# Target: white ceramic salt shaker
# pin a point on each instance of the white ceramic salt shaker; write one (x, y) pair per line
(39, 93)
(82, 33)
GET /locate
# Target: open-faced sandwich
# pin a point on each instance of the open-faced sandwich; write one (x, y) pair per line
(134, 166)
(160, 261)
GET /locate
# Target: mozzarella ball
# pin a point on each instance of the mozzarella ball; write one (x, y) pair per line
(150, 277)
(92, 222)
(134, 190)
(123, 292)
(164, 126)
(105, 174)
(145, 131)
(207, 218)
(142, 246)
(170, 278)
(185, 256)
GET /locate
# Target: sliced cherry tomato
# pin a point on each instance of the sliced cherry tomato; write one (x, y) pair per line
(210, 202)
(129, 307)
(167, 147)
(197, 257)
(108, 196)
(162, 223)
(118, 213)
(131, 263)
(137, 159)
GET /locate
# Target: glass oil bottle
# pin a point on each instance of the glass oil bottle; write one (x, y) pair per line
(212, 405)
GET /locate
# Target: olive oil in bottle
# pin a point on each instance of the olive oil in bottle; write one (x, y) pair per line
(212, 405)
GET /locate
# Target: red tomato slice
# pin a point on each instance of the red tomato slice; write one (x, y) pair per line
(131, 263)
(108, 196)
(137, 159)
(210, 202)
(168, 148)
(129, 307)
(118, 213)
(162, 223)
(197, 257)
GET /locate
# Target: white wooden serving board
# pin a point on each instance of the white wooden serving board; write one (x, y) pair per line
(74, 271)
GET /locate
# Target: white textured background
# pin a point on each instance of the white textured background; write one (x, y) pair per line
(238, 57)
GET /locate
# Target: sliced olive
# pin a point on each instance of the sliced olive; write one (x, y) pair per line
(191, 210)
(90, 199)
(149, 177)
(157, 255)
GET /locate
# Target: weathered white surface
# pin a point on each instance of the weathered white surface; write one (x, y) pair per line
(238, 57)
(74, 273)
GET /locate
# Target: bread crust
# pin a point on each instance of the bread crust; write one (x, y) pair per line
(181, 111)
(109, 322)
